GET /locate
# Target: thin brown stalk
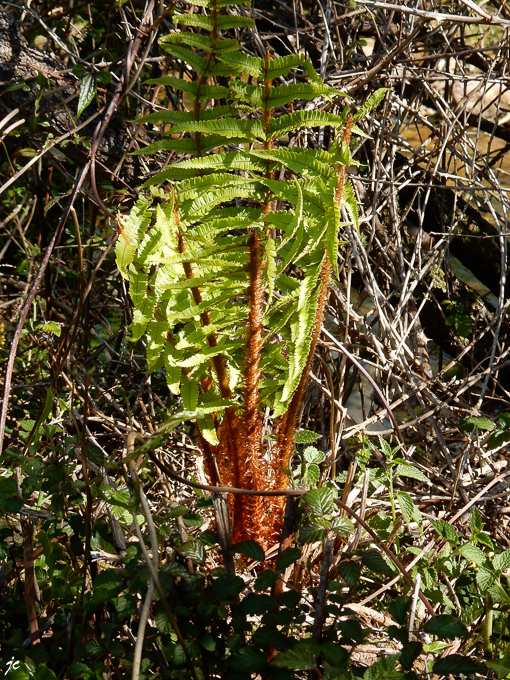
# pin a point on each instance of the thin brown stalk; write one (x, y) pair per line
(30, 595)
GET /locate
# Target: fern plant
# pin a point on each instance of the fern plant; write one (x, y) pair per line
(229, 263)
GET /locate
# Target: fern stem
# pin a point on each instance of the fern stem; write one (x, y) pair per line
(253, 418)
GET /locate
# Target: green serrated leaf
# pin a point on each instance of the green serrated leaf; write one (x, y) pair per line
(312, 533)
(250, 549)
(411, 471)
(247, 659)
(445, 530)
(313, 455)
(306, 437)
(295, 659)
(485, 579)
(469, 424)
(446, 626)
(287, 557)
(265, 579)
(400, 608)
(256, 604)
(501, 561)
(474, 554)
(409, 511)
(501, 666)
(455, 664)
(350, 571)
(322, 501)
(376, 563)
(475, 521)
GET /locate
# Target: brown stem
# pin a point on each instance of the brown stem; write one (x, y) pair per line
(28, 302)
(28, 540)
(253, 418)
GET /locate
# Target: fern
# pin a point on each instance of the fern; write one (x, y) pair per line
(229, 265)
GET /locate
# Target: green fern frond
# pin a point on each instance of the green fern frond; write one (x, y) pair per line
(174, 173)
(192, 188)
(301, 161)
(210, 231)
(190, 88)
(203, 66)
(270, 265)
(198, 255)
(211, 4)
(167, 116)
(244, 62)
(142, 314)
(204, 204)
(374, 100)
(310, 73)
(200, 41)
(229, 160)
(294, 234)
(138, 281)
(223, 349)
(196, 20)
(189, 393)
(248, 129)
(157, 329)
(333, 222)
(185, 310)
(286, 191)
(359, 132)
(281, 66)
(181, 145)
(255, 95)
(289, 122)
(243, 212)
(222, 325)
(228, 22)
(134, 226)
(351, 205)
(224, 23)
(212, 279)
(191, 259)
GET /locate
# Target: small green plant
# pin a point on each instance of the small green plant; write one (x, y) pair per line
(456, 316)
(229, 264)
(500, 433)
(395, 466)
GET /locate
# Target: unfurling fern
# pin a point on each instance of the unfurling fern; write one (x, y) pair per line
(229, 263)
